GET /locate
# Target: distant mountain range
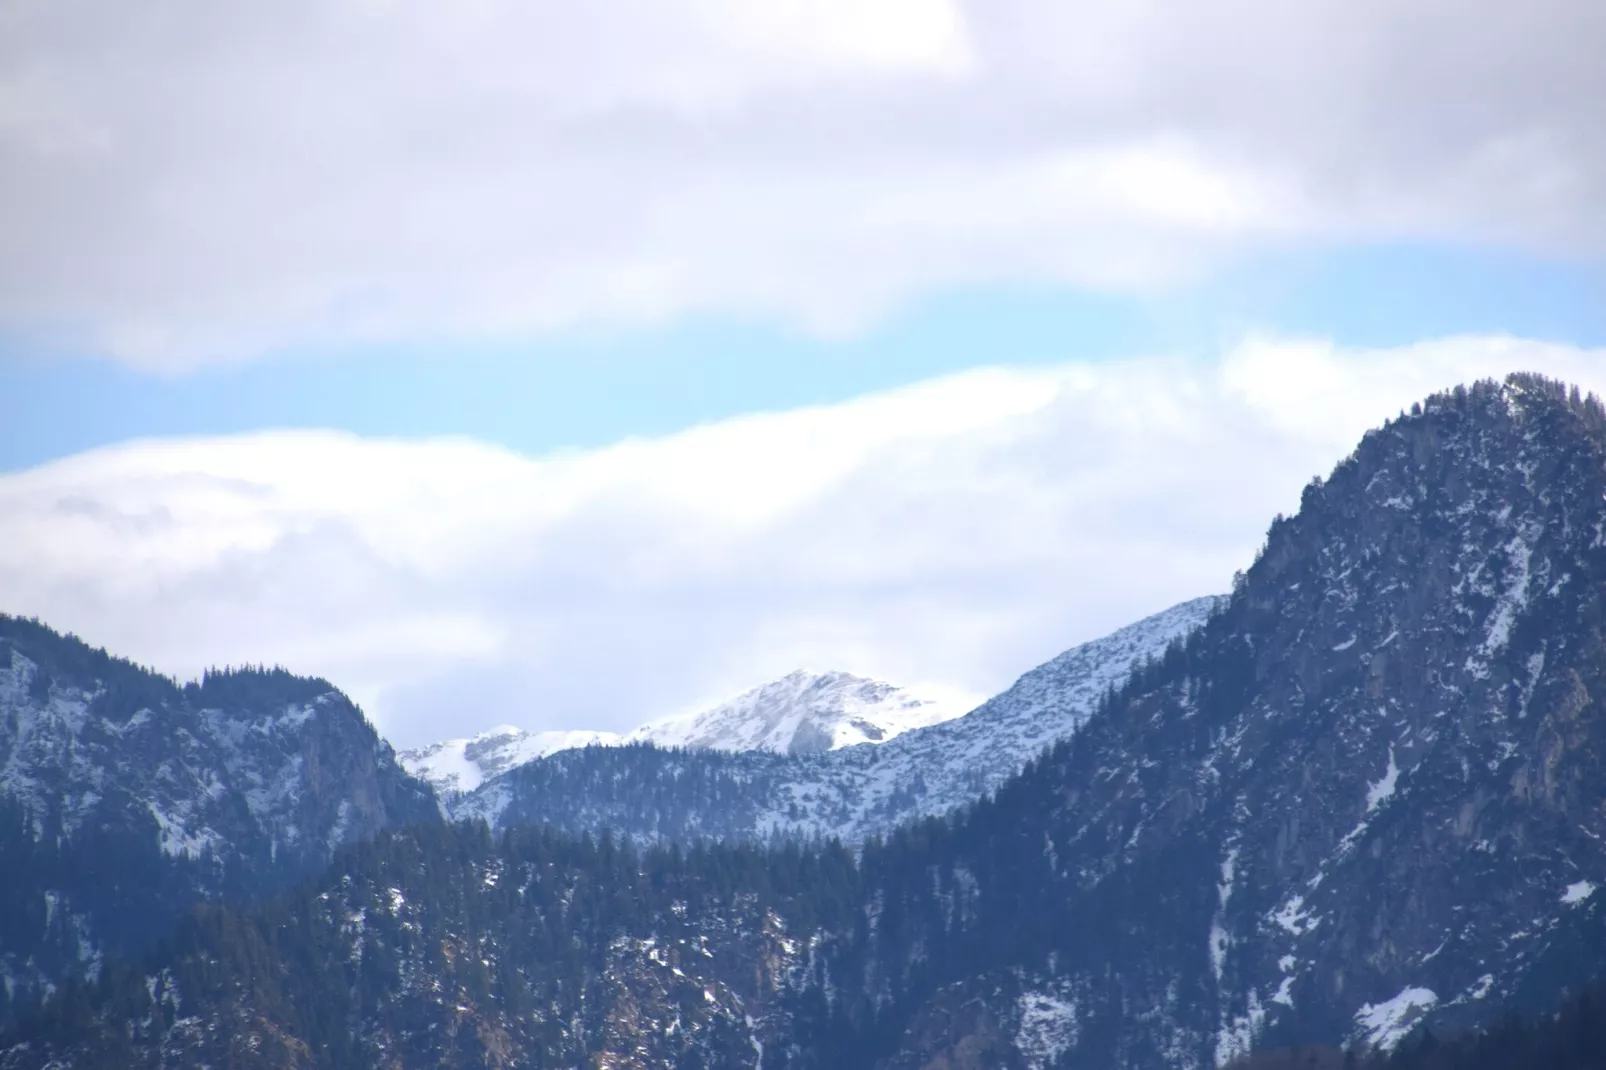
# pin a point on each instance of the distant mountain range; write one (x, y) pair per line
(1357, 799)
(125, 799)
(848, 793)
(801, 713)
(791, 759)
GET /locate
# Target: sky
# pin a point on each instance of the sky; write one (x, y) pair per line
(572, 365)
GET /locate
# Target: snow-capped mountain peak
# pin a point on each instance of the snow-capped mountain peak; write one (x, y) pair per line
(457, 766)
(804, 712)
(848, 793)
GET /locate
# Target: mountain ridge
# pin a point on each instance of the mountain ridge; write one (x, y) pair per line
(803, 712)
(851, 793)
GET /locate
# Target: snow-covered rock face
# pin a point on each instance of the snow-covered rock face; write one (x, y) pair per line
(850, 792)
(803, 713)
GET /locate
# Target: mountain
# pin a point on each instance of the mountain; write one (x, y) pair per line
(125, 798)
(1362, 800)
(454, 767)
(801, 713)
(850, 793)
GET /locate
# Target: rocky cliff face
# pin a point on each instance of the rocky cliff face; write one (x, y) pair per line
(126, 798)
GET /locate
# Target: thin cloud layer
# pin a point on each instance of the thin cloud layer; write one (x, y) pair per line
(204, 182)
(953, 533)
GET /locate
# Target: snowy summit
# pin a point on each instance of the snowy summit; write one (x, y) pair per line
(458, 766)
(802, 713)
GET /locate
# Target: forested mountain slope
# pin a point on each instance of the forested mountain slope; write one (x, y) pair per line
(124, 797)
(1367, 795)
(437, 947)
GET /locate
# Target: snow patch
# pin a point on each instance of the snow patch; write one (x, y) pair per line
(1220, 939)
(752, 1038)
(1048, 1028)
(340, 831)
(1383, 790)
(1384, 1025)
(177, 840)
(1578, 892)
(1293, 916)
(1238, 1033)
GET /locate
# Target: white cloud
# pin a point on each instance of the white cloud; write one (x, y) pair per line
(955, 532)
(212, 182)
